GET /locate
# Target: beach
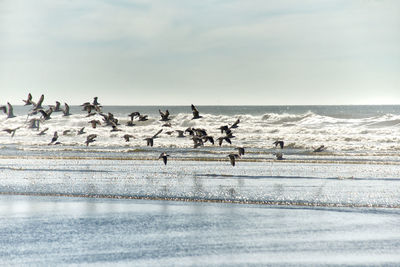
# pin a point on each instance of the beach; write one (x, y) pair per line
(114, 202)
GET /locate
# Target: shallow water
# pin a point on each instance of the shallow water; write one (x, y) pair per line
(81, 231)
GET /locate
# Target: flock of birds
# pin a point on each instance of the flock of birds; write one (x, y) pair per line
(198, 135)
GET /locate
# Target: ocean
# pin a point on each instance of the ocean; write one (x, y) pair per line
(338, 206)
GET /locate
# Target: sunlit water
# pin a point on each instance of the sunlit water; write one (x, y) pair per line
(114, 202)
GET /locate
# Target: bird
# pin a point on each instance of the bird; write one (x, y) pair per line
(280, 143)
(143, 117)
(180, 133)
(56, 108)
(227, 138)
(46, 114)
(81, 131)
(320, 149)
(94, 123)
(95, 103)
(11, 131)
(43, 132)
(224, 128)
(150, 140)
(240, 150)
(235, 124)
(127, 137)
(164, 115)
(9, 110)
(54, 139)
(233, 157)
(28, 101)
(164, 156)
(279, 156)
(208, 138)
(37, 106)
(133, 115)
(67, 132)
(66, 110)
(115, 128)
(196, 114)
(90, 139)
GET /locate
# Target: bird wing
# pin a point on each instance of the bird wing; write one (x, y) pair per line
(154, 136)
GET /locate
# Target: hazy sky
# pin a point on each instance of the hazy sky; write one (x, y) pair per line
(161, 52)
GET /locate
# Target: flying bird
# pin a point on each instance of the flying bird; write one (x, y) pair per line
(150, 140)
(164, 115)
(54, 139)
(240, 150)
(233, 157)
(11, 131)
(90, 139)
(164, 156)
(95, 123)
(9, 110)
(280, 143)
(127, 137)
(320, 149)
(81, 131)
(196, 114)
(28, 101)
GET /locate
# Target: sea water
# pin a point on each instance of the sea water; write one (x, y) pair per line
(341, 204)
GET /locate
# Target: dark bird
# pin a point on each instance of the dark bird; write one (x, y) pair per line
(43, 132)
(164, 115)
(38, 105)
(95, 103)
(235, 124)
(240, 150)
(56, 108)
(143, 117)
(166, 125)
(66, 110)
(227, 139)
(81, 131)
(197, 141)
(224, 128)
(133, 115)
(207, 138)
(90, 139)
(54, 139)
(164, 156)
(67, 132)
(9, 110)
(279, 156)
(46, 114)
(320, 149)
(196, 114)
(95, 123)
(10, 113)
(190, 131)
(28, 101)
(150, 140)
(280, 143)
(127, 137)
(233, 157)
(180, 133)
(115, 128)
(11, 131)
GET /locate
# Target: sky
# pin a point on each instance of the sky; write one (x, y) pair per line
(208, 52)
